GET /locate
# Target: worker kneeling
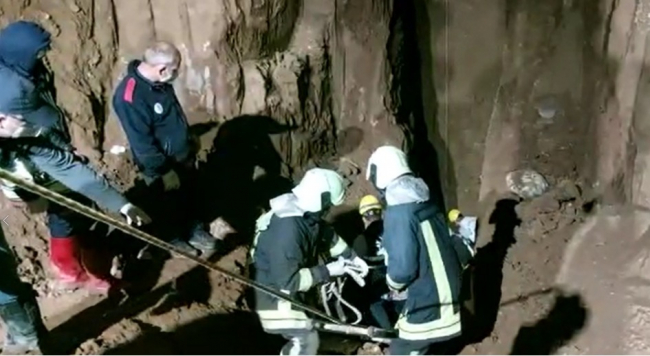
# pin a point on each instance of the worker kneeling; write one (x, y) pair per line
(285, 256)
(421, 258)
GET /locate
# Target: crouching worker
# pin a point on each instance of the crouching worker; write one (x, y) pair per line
(421, 258)
(285, 256)
(18, 308)
(382, 304)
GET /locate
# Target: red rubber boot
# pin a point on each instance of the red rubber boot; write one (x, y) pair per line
(66, 262)
(97, 264)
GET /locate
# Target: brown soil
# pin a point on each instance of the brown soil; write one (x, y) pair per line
(289, 87)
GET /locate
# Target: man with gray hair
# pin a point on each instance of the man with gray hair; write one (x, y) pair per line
(158, 133)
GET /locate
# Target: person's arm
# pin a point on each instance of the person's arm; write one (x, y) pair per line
(337, 246)
(139, 129)
(464, 252)
(400, 243)
(289, 256)
(68, 169)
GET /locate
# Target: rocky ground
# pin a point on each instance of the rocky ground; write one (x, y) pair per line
(476, 88)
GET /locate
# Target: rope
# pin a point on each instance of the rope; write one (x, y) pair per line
(126, 228)
(335, 289)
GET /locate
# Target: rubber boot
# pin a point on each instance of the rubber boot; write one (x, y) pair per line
(203, 241)
(65, 255)
(97, 266)
(25, 329)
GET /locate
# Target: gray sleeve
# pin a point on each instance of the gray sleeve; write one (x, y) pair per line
(68, 169)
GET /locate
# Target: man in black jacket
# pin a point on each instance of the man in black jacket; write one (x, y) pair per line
(158, 133)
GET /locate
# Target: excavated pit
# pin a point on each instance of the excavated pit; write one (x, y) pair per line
(474, 89)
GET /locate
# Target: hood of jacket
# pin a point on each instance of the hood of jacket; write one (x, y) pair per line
(405, 190)
(20, 43)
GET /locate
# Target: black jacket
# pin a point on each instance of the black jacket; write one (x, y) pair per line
(285, 254)
(424, 259)
(153, 121)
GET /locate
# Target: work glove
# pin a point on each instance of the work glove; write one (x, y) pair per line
(357, 269)
(133, 214)
(171, 181)
(359, 266)
(337, 268)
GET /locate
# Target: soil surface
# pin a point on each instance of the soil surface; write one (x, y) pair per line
(551, 275)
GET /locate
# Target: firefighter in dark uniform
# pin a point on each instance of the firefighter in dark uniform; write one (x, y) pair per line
(285, 256)
(422, 259)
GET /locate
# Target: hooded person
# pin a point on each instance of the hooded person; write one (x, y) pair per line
(288, 241)
(421, 258)
(35, 145)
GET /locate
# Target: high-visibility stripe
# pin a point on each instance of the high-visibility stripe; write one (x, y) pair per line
(449, 322)
(306, 280)
(339, 247)
(394, 285)
(284, 317)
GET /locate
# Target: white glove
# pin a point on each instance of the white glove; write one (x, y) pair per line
(171, 181)
(134, 214)
(359, 266)
(356, 276)
(337, 268)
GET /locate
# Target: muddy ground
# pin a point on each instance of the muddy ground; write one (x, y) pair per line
(481, 76)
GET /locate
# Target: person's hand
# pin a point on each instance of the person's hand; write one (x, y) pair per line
(359, 266)
(356, 276)
(81, 156)
(135, 215)
(337, 268)
(171, 181)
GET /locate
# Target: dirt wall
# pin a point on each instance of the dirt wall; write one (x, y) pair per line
(319, 68)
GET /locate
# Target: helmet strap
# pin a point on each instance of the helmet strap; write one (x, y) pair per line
(325, 201)
(372, 177)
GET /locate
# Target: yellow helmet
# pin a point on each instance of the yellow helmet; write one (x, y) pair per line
(453, 215)
(368, 203)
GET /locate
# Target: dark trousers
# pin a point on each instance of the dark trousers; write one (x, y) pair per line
(409, 347)
(174, 213)
(301, 341)
(386, 312)
(11, 288)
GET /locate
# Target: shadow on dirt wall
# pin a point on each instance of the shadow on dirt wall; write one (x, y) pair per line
(415, 96)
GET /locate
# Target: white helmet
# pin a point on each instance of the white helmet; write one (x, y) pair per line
(385, 165)
(318, 189)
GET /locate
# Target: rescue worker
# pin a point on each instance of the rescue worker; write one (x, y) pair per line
(382, 304)
(289, 239)
(421, 258)
(35, 145)
(368, 244)
(24, 329)
(158, 133)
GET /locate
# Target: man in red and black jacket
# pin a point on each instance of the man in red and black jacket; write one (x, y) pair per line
(158, 133)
